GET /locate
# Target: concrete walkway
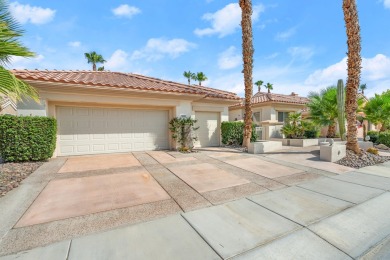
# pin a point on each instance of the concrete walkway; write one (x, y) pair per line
(306, 214)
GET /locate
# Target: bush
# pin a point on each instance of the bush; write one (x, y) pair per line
(384, 138)
(373, 136)
(311, 134)
(182, 129)
(372, 150)
(233, 133)
(27, 138)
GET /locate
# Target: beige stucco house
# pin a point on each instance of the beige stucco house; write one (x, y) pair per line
(110, 112)
(269, 111)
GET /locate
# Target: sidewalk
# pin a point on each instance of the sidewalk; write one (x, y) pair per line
(337, 217)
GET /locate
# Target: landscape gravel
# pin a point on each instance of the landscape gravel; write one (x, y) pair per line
(364, 159)
(12, 174)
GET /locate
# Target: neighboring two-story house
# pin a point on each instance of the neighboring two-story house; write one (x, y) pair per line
(269, 111)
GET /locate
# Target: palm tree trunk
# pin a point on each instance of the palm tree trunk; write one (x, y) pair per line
(269, 91)
(94, 66)
(331, 131)
(200, 83)
(247, 54)
(189, 82)
(354, 69)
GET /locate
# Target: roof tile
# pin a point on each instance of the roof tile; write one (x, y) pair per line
(120, 80)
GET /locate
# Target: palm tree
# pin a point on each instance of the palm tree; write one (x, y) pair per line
(10, 32)
(200, 77)
(377, 110)
(354, 69)
(363, 87)
(94, 58)
(259, 83)
(269, 86)
(247, 55)
(323, 109)
(189, 75)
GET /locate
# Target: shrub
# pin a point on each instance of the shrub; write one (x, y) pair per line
(27, 138)
(182, 129)
(373, 136)
(372, 150)
(384, 138)
(233, 133)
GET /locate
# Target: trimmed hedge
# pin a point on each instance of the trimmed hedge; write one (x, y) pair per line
(373, 136)
(384, 138)
(233, 133)
(27, 138)
(311, 134)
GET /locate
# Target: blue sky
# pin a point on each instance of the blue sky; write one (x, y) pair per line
(299, 45)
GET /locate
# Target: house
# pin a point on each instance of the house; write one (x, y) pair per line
(7, 106)
(269, 111)
(110, 112)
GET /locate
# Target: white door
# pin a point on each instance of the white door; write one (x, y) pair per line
(85, 130)
(209, 129)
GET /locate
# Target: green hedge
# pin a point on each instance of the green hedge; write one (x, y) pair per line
(233, 133)
(373, 136)
(384, 138)
(27, 138)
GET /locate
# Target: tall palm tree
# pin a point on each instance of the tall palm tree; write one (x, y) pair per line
(10, 32)
(94, 58)
(269, 86)
(189, 75)
(247, 55)
(200, 77)
(363, 87)
(354, 69)
(259, 83)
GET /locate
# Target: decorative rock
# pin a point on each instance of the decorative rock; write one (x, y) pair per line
(382, 147)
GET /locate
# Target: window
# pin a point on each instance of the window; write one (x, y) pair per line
(282, 116)
(257, 118)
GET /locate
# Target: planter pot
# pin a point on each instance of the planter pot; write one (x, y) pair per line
(303, 142)
(264, 146)
(365, 145)
(332, 153)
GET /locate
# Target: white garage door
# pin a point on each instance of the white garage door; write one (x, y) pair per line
(209, 129)
(107, 130)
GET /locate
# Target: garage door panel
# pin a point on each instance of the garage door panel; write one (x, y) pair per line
(104, 130)
(209, 129)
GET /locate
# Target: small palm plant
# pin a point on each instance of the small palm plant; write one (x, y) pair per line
(269, 86)
(189, 75)
(94, 58)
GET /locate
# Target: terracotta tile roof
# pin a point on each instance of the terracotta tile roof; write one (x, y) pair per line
(120, 80)
(262, 97)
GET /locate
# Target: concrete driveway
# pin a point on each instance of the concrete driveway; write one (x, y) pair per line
(206, 205)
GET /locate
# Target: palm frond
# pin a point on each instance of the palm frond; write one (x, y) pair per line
(15, 88)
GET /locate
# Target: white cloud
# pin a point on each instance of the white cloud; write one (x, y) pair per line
(386, 3)
(126, 11)
(375, 72)
(229, 59)
(24, 63)
(301, 53)
(283, 36)
(117, 61)
(158, 48)
(74, 44)
(32, 14)
(226, 20)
